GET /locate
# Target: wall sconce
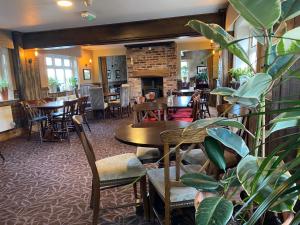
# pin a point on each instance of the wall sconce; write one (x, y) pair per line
(36, 53)
(90, 61)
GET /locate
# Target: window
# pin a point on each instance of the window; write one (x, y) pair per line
(242, 31)
(6, 87)
(184, 70)
(61, 69)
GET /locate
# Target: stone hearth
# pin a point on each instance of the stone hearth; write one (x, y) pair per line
(156, 61)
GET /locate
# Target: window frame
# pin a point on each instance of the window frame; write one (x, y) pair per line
(73, 67)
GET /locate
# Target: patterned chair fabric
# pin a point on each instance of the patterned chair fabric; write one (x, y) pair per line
(97, 98)
(125, 95)
(85, 90)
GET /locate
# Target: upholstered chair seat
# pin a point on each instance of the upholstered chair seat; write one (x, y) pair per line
(178, 193)
(194, 157)
(120, 167)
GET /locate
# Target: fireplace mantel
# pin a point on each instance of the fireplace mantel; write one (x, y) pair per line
(150, 73)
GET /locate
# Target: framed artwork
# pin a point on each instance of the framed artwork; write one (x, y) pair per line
(87, 74)
(201, 69)
(108, 74)
(118, 74)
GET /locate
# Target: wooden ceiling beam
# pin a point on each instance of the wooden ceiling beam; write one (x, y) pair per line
(139, 31)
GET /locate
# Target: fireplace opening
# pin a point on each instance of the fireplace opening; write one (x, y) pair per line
(152, 84)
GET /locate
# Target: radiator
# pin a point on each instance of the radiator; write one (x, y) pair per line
(6, 119)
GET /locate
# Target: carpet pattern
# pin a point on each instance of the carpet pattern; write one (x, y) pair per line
(50, 183)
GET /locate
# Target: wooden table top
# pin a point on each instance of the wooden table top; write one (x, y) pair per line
(178, 101)
(146, 134)
(51, 105)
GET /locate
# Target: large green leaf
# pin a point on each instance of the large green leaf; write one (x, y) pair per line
(215, 153)
(282, 64)
(250, 92)
(229, 139)
(214, 211)
(290, 9)
(287, 116)
(200, 182)
(246, 171)
(254, 11)
(284, 120)
(202, 123)
(221, 37)
(290, 42)
(223, 91)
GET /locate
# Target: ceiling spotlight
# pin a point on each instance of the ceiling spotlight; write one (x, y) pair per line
(64, 3)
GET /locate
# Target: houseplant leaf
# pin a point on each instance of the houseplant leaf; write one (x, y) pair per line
(223, 91)
(229, 139)
(200, 182)
(215, 153)
(246, 171)
(254, 11)
(250, 92)
(214, 210)
(290, 9)
(202, 123)
(289, 43)
(221, 37)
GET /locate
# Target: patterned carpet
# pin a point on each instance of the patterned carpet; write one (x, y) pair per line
(49, 183)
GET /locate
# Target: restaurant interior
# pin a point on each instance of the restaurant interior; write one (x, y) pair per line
(149, 112)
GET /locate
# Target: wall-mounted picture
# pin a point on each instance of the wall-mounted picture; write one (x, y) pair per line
(118, 74)
(201, 69)
(108, 74)
(87, 74)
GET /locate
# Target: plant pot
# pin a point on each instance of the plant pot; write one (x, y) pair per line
(4, 94)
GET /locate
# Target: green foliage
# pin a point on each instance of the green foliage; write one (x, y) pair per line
(290, 9)
(246, 171)
(200, 182)
(290, 42)
(237, 73)
(221, 37)
(73, 82)
(53, 82)
(266, 180)
(214, 210)
(229, 139)
(215, 152)
(202, 76)
(255, 12)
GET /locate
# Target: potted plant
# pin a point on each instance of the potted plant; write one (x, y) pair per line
(240, 76)
(4, 89)
(54, 85)
(269, 184)
(73, 82)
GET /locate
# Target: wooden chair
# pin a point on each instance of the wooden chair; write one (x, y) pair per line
(142, 112)
(164, 182)
(97, 100)
(81, 109)
(34, 117)
(204, 100)
(123, 104)
(63, 123)
(115, 171)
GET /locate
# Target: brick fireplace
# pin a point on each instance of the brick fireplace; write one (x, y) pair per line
(152, 62)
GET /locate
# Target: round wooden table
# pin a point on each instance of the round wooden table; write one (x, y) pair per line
(147, 134)
(49, 106)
